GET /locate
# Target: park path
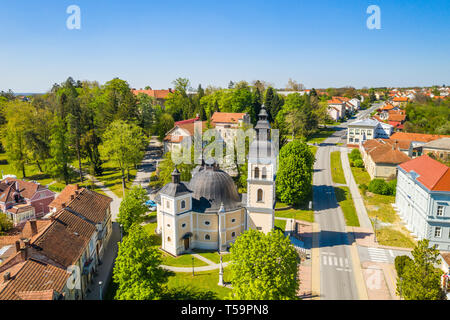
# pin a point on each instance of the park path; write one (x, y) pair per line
(361, 211)
(197, 269)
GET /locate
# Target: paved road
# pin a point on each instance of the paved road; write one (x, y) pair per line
(380, 254)
(337, 279)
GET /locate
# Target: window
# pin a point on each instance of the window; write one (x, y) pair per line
(260, 195)
(168, 239)
(437, 232)
(183, 225)
(264, 173)
(207, 223)
(233, 234)
(183, 204)
(351, 139)
(440, 211)
(256, 173)
(168, 225)
(168, 204)
(233, 220)
(207, 237)
(259, 228)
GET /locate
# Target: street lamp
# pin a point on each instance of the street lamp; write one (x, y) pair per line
(100, 284)
(193, 267)
(120, 226)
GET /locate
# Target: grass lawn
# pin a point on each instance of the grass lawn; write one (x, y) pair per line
(345, 200)
(394, 238)
(281, 224)
(112, 178)
(380, 206)
(321, 136)
(361, 176)
(295, 213)
(203, 281)
(313, 150)
(213, 255)
(337, 173)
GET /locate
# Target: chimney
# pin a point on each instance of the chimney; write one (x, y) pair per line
(24, 251)
(34, 229)
(72, 196)
(63, 205)
(17, 246)
(7, 276)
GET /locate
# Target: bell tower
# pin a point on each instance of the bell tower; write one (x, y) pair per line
(261, 178)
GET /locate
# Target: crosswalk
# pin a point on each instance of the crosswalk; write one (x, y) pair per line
(331, 260)
(378, 255)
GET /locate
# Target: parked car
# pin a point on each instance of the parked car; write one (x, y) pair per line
(151, 205)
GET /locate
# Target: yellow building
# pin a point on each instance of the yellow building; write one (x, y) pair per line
(208, 212)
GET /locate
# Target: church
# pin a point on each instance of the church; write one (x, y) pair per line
(208, 212)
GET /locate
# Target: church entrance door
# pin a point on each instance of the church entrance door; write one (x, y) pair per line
(186, 244)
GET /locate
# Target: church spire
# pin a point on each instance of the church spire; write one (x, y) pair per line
(263, 127)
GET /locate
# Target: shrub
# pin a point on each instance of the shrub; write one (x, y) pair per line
(358, 163)
(392, 186)
(5, 223)
(400, 264)
(355, 155)
(379, 186)
(363, 187)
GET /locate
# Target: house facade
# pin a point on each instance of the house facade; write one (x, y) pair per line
(423, 200)
(367, 129)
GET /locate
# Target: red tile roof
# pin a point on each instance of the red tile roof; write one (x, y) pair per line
(401, 99)
(383, 152)
(227, 117)
(158, 94)
(432, 174)
(422, 137)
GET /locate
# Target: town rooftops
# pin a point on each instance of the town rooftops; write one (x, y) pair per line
(32, 280)
(434, 175)
(400, 99)
(365, 123)
(27, 188)
(227, 117)
(442, 143)
(421, 137)
(382, 151)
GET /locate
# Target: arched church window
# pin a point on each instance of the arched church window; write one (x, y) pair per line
(207, 237)
(256, 173)
(264, 173)
(183, 204)
(260, 195)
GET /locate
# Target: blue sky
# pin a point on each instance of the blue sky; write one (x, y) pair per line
(318, 43)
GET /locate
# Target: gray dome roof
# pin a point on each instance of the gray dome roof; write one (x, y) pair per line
(211, 187)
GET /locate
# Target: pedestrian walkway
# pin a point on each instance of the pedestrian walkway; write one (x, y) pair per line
(200, 257)
(361, 211)
(378, 255)
(196, 269)
(104, 271)
(329, 259)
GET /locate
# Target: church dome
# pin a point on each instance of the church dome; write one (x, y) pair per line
(211, 188)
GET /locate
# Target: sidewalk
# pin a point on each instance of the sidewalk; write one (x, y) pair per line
(104, 271)
(366, 238)
(361, 211)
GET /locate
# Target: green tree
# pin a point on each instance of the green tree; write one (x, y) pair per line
(163, 125)
(264, 267)
(137, 268)
(294, 176)
(5, 223)
(400, 263)
(61, 153)
(421, 280)
(123, 144)
(133, 208)
(273, 103)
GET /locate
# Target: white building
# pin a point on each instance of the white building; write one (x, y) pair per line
(367, 129)
(423, 199)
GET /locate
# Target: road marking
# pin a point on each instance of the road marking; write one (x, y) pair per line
(377, 255)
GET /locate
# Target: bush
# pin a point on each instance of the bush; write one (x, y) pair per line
(379, 186)
(400, 264)
(358, 163)
(363, 187)
(355, 155)
(5, 223)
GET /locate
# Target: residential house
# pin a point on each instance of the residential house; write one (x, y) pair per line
(381, 158)
(362, 130)
(159, 95)
(17, 196)
(74, 240)
(417, 140)
(227, 123)
(181, 129)
(438, 149)
(400, 101)
(423, 199)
